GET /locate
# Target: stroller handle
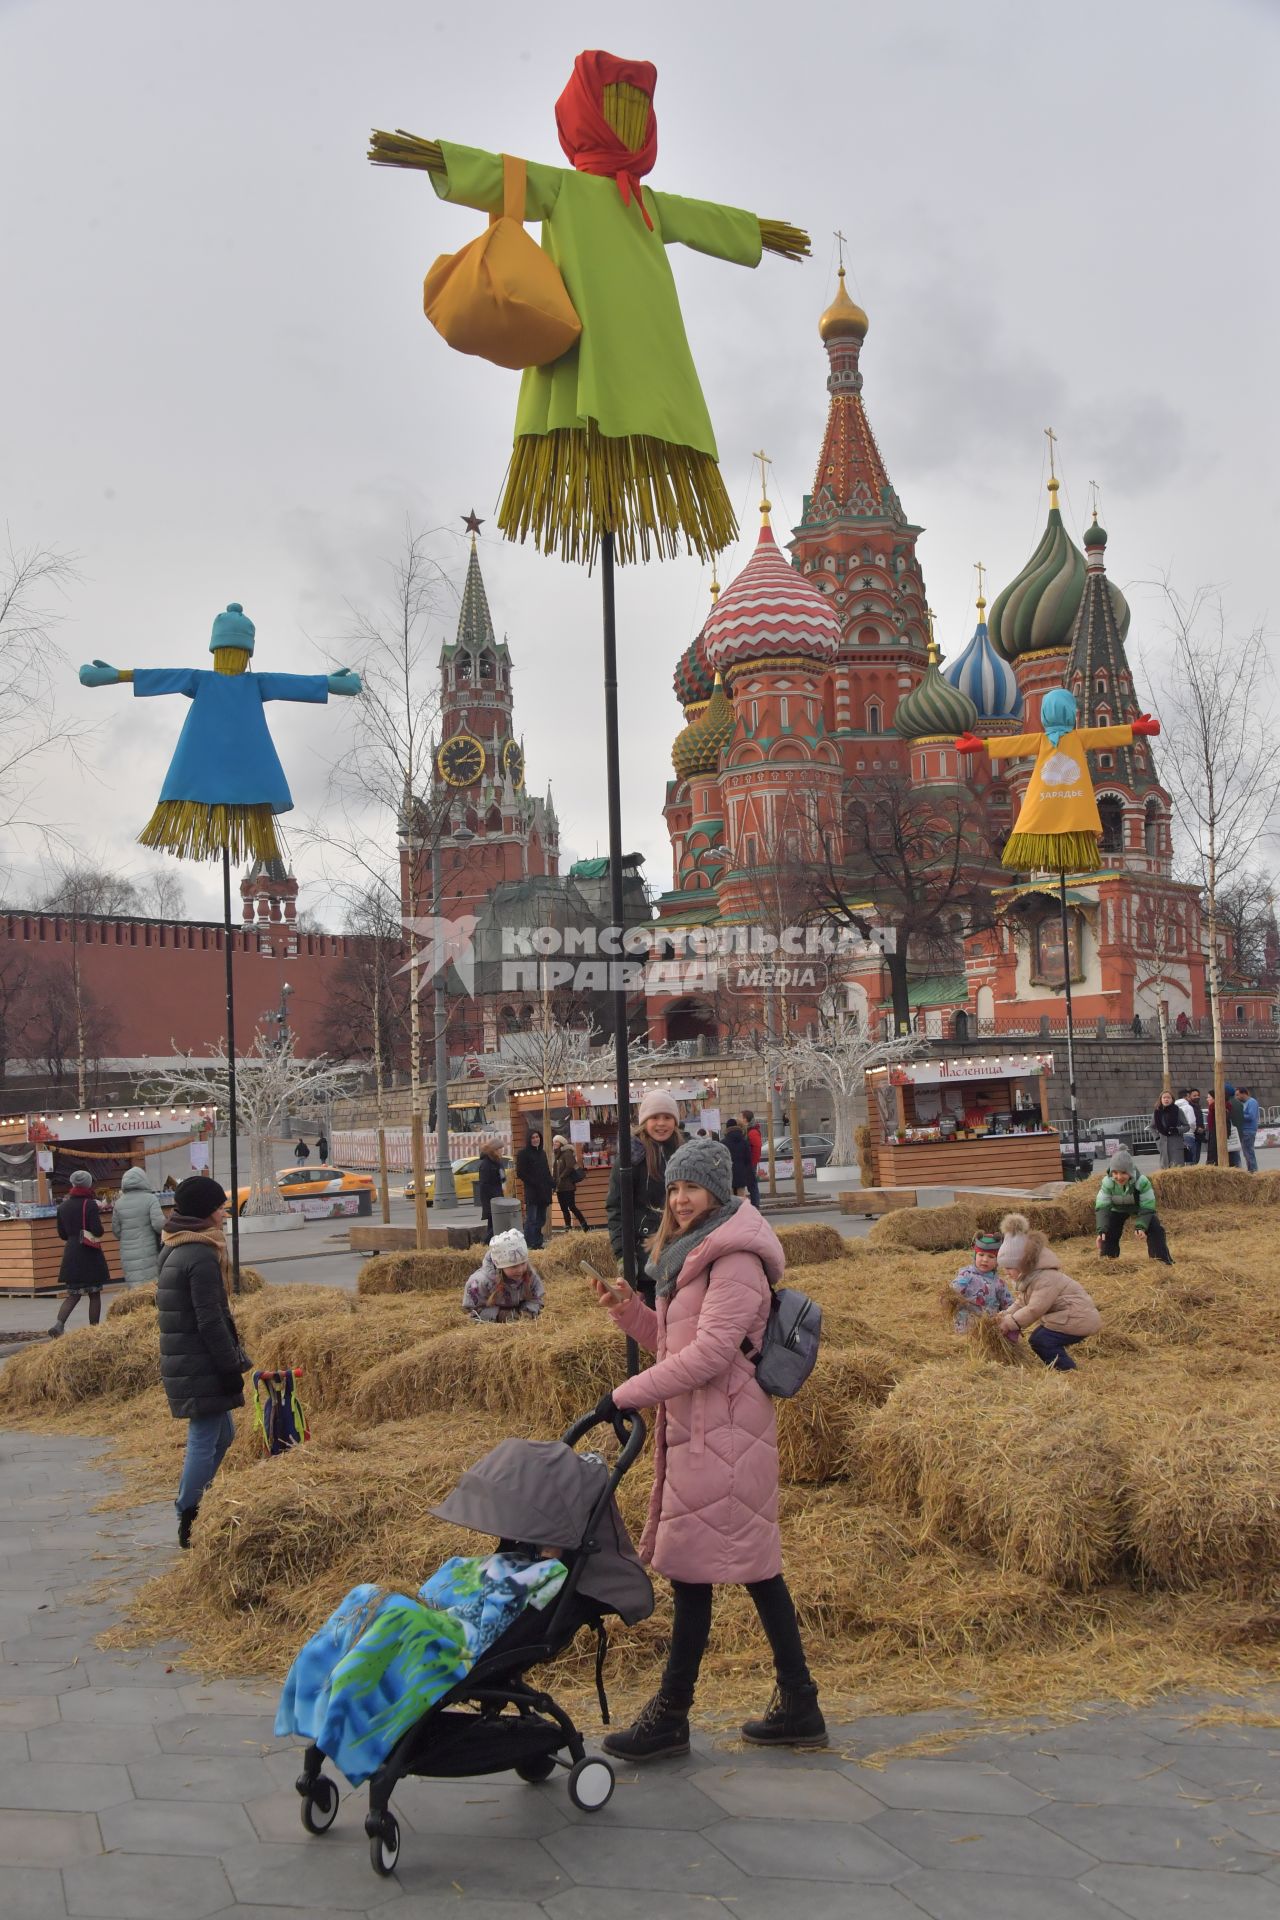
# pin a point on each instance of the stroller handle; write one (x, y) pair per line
(628, 1426)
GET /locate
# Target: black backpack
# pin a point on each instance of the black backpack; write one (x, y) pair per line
(788, 1352)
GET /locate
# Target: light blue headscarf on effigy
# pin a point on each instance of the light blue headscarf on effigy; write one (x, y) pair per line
(1058, 713)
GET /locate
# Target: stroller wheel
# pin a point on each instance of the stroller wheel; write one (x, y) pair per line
(320, 1805)
(539, 1767)
(591, 1785)
(384, 1842)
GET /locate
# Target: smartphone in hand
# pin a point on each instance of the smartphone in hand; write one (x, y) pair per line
(600, 1280)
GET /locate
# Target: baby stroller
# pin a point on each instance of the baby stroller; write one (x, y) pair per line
(495, 1720)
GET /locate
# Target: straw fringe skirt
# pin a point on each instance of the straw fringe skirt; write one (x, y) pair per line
(195, 831)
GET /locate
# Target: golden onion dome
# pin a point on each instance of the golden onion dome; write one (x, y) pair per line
(844, 319)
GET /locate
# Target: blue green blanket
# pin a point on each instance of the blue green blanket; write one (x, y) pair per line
(380, 1659)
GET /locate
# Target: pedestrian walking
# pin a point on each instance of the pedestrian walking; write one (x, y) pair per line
(566, 1173)
(1194, 1142)
(1250, 1115)
(202, 1364)
(655, 1140)
(322, 1146)
(535, 1176)
(1127, 1195)
(740, 1154)
(756, 1146)
(489, 1182)
(84, 1269)
(137, 1221)
(1190, 1151)
(713, 1513)
(302, 1151)
(1046, 1295)
(1170, 1124)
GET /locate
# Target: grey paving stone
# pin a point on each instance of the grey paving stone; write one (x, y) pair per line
(46, 1839)
(326, 1878)
(1156, 1893)
(1184, 1734)
(957, 1786)
(228, 1696)
(588, 1903)
(112, 1745)
(981, 1843)
(68, 1787)
(895, 1730)
(171, 1826)
(1231, 1769)
(246, 1733)
(25, 1711)
(277, 1818)
(142, 1886)
(199, 1776)
(41, 1676)
(641, 1800)
(489, 1810)
(802, 1793)
(819, 1900)
(1112, 1734)
(1259, 1825)
(1187, 1837)
(127, 1670)
(1104, 1779)
(809, 1850)
(118, 1706)
(1002, 1896)
(32, 1893)
(661, 1859)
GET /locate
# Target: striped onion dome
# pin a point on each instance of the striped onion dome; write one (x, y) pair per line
(1037, 609)
(985, 676)
(698, 748)
(770, 612)
(935, 707)
(693, 678)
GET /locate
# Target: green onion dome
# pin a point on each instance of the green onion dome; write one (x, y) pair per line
(698, 748)
(1036, 611)
(1095, 546)
(935, 708)
(693, 679)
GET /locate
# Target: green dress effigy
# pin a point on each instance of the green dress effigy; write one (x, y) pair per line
(615, 434)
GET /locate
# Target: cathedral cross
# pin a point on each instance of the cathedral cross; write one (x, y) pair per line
(765, 461)
(842, 241)
(1051, 437)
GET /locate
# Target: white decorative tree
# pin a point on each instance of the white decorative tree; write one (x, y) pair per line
(837, 1060)
(270, 1083)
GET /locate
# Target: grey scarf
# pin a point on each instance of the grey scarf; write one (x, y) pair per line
(671, 1260)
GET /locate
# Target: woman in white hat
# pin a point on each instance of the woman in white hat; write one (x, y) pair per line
(652, 1145)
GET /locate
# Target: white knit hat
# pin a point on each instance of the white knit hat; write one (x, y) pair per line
(656, 1101)
(509, 1249)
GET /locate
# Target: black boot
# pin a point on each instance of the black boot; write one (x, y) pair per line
(659, 1731)
(57, 1330)
(186, 1520)
(793, 1718)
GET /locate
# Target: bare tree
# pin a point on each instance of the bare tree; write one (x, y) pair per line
(1221, 765)
(547, 1053)
(162, 895)
(62, 1021)
(1247, 920)
(271, 1083)
(80, 892)
(838, 1060)
(15, 976)
(31, 665)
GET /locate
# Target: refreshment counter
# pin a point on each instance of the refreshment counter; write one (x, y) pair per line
(31, 1252)
(978, 1122)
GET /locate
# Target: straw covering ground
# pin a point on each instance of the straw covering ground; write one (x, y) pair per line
(958, 1524)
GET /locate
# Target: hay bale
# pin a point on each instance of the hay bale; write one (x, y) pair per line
(435, 1271)
(281, 1306)
(334, 1349)
(810, 1246)
(1188, 1189)
(814, 1427)
(987, 1341)
(1010, 1463)
(133, 1300)
(111, 1362)
(928, 1229)
(1204, 1493)
(568, 1250)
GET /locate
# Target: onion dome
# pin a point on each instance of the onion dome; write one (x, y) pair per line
(935, 709)
(844, 319)
(698, 748)
(985, 675)
(1035, 612)
(693, 679)
(770, 614)
(1095, 546)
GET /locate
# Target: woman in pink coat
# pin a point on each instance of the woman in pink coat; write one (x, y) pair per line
(713, 1517)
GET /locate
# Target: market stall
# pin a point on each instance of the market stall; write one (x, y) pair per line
(964, 1123)
(587, 1115)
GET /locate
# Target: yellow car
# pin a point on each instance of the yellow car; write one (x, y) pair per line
(465, 1173)
(306, 1182)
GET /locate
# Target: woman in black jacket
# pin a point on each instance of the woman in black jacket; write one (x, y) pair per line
(202, 1364)
(489, 1183)
(651, 1147)
(534, 1174)
(84, 1266)
(739, 1147)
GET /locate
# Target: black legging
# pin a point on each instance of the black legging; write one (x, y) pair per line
(692, 1629)
(73, 1300)
(1113, 1225)
(569, 1208)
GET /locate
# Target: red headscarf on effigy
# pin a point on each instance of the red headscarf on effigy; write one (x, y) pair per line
(586, 136)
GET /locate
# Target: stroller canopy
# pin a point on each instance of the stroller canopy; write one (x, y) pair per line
(542, 1492)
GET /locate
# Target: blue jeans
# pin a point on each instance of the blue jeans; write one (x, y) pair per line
(1247, 1138)
(1052, 1348)
(208, 1437)
(1191, 1146)
(535, 1218)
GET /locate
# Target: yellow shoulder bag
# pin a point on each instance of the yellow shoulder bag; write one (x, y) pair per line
(502, 297)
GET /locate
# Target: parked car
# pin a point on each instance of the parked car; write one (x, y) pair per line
(464, 1180)
(314, 1183)
(813, 1146)
(1133, 1130)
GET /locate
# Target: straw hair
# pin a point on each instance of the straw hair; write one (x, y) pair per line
(626, 108)
(568, 487)
(197, 832)
(1051, 852)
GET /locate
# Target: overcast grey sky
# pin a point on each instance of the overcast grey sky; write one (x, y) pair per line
(219, 383)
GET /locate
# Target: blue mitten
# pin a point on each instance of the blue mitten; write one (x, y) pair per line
(99, 674)
(344, 681)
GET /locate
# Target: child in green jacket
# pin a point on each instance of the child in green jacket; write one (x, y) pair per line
(1126, 1194)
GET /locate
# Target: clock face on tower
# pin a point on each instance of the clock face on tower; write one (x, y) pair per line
(513, 764)
(460, 760)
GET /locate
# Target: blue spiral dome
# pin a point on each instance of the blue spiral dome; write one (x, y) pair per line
(986, 677)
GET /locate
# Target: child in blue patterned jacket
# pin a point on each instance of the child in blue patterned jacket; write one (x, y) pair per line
(979, 1285)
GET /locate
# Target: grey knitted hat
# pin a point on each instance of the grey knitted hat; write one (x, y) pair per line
(704, 1163)
(1122, 1162)
(81, 1179)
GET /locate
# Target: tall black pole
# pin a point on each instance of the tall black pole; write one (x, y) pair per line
(622, 1074)
(231, 1068)
(1071, 1027)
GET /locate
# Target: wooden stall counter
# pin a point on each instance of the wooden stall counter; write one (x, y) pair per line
(979, 1122)
(31, 1253)
(996, 1160)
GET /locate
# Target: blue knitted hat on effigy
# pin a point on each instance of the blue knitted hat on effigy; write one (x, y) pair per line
(233, 628)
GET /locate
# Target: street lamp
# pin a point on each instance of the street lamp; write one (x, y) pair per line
(280, 1015)
(446, 1196)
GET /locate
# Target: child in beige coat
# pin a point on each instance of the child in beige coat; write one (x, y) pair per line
(1044, 1294)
